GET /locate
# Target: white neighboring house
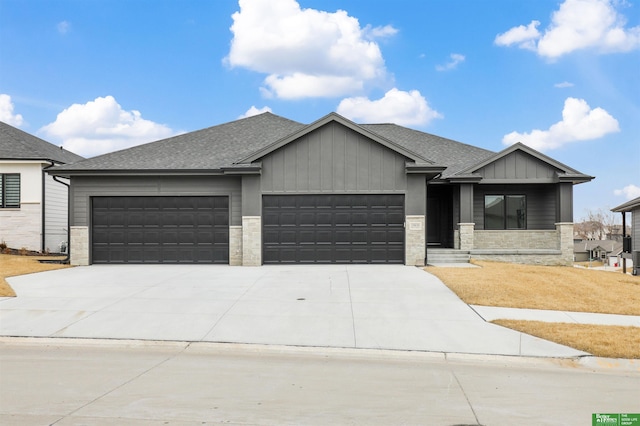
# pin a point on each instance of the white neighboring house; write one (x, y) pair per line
(33, 206)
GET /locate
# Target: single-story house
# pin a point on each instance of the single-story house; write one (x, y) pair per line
(586, 250)
(632, 207)
(266, 189)
(33, 206)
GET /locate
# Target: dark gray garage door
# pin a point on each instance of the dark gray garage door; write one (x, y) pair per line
(333, 228)
(160, 229)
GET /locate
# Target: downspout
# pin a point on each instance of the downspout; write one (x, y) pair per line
(624, 233)
(55, 178)
(44, 216)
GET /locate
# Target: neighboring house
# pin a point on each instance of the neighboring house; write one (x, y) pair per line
(599, 250)
(632, 207)
(266, 189)
(33, 206)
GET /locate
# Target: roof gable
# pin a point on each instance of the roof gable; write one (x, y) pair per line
(16, 144)
(336, 118)
(522, 163)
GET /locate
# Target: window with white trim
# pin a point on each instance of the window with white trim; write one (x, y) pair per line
(9, 190)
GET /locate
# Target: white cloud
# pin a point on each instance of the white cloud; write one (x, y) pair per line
(579, 123)
(563, 85)
(523, 36)
(305, 52)
(630, 192)
(63, 27)
(379, 32)
(102, 126)
(577, 24)
(255, 111)
(397, 106)
(456, 59)
(6, 111)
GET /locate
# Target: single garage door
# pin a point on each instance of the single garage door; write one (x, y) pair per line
(160, 229)
(333, 228)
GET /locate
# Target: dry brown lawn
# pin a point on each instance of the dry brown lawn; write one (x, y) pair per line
(559, 288)
(12, 265)
(604, 340)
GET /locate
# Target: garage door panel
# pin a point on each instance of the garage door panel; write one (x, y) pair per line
(324, 236)
(160, 230)
(395, 236)
(303, 236)
(334, 228)
(395, 218)
(306, 218)
(342, 218)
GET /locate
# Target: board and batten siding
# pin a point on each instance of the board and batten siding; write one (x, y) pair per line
(517, 165)
(333, 159)
(55, 213)
(83, 188)
(541, 203)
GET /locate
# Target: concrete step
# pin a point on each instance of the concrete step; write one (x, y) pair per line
(447, 256)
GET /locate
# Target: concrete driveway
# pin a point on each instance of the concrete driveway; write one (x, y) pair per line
(349, 306)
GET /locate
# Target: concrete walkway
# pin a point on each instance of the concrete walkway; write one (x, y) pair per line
(343, 306)
(490, 313)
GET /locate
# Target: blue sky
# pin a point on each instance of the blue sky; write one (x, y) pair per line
(560, 76)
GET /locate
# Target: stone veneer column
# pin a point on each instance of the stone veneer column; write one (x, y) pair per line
(415, 242)
(565, 241)
(251, 240)
(466, 235)
(235, 245)
(79, 246)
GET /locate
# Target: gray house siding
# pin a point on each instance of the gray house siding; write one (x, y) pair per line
(541, 203)
(517, 165)
(55, 220)
(333, 159)
(83, 188)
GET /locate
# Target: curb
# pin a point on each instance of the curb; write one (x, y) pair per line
(587, 361)
(610, 364)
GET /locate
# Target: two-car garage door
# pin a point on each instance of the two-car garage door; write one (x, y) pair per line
(336, 228)
(164, 229)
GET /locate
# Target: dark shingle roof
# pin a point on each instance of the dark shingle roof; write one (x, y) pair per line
(455, 155)
(226, 144)
(18, 145)
(207, 149)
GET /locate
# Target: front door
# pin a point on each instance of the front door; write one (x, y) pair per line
(439, 216)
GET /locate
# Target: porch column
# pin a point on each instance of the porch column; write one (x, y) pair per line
(79, 246)
(565, 242)
(564, 202)
(466, 226)
(415, 220)
(251, 221)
